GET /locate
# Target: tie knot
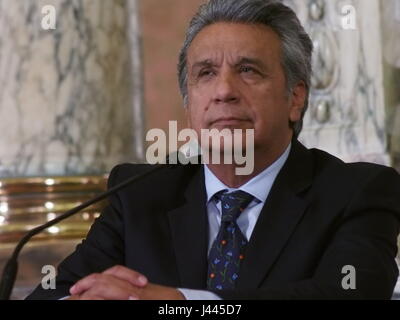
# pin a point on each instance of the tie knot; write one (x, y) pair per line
(233, 204)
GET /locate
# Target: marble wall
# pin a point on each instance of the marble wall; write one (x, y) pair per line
(391, 31)
(390, 13)
(347, 110)
(70, 97)
(346, 116)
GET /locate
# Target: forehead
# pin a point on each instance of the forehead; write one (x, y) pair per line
(234, 40)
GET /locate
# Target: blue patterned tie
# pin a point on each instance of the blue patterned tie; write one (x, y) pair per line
(227, 251)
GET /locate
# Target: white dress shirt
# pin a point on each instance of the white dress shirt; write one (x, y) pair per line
(259, 187)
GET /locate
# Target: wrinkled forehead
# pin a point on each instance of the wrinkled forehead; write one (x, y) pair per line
(233, 41)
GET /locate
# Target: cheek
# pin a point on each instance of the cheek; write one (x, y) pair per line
(193, 116)
(271, 111)
(198, 100)
(197, 107)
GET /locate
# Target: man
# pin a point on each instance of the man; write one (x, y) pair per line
(287, 231)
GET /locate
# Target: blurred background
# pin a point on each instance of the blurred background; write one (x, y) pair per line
(77, 97)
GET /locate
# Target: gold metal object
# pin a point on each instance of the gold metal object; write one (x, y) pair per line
(28, 202)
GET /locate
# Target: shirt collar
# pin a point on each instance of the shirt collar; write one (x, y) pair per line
(258, 187)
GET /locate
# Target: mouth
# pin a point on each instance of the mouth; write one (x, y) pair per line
(228, 121)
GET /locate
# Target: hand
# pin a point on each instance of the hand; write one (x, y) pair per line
(120, 283)
(156, 292)
(116, 283)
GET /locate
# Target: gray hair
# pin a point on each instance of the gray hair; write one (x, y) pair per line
(297, 46)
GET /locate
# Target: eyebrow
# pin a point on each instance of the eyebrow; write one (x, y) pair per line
(253, 61)
(203, 63)
(242, 60)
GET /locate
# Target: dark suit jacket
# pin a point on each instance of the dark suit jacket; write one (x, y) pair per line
(321, 215)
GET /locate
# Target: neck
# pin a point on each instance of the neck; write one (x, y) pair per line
(226, 173)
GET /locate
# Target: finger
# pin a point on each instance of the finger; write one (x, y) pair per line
(84, 284)
(124, 273)
(105, 291)
(91, 280)
(104, 286)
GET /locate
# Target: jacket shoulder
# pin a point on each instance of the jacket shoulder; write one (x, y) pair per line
(340, 180)
(329, 164)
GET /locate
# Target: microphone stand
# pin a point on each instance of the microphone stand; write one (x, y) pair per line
(11, 268)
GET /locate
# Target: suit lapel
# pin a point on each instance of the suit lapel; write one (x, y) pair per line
(189, 231)
(279, 217)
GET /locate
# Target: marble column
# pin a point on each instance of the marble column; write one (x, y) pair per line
(391, 53)
(390, 14)
(70, 110)
(70, 97)
(346, 116)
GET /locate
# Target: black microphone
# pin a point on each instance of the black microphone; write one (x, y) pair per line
(11, 268)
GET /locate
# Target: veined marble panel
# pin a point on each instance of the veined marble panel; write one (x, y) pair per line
(391, 31)
(70, 98)
(346, 116)
(391, 52)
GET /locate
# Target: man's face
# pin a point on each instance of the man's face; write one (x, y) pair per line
(236, 81)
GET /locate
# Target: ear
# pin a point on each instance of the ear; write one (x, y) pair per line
(298, 98)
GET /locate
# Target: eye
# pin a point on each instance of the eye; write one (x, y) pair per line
(247, 69)
(205, 73)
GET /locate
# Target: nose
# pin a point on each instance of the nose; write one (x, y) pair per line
(225, 89)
